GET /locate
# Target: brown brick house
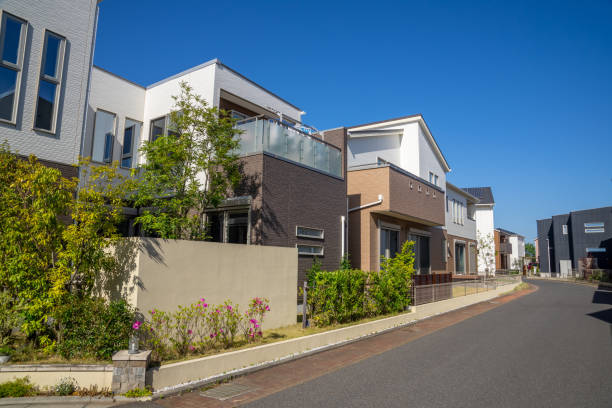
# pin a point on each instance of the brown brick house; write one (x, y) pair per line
(396, 190)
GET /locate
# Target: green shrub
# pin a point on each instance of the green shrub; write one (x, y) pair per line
(20, 387)
(138, 393)
(92, 327)
(347, 295)
(65, 386)
(5, 351)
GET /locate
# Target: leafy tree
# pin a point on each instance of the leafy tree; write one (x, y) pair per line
(530, 250)
(188, 171)
(53, 241)
(486, 252)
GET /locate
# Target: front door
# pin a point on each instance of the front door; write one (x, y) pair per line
(460, 259)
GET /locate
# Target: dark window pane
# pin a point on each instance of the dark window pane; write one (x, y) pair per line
(157, 128)
(393, 243)
(46, 101)
(126, 162)
(52, 55)
(237, 228)
(127, 140)
(8, 80)
(108, 147)
(424, 254)
(12, 37)
(215, 226)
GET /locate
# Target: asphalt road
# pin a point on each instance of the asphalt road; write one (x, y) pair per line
(552, 348)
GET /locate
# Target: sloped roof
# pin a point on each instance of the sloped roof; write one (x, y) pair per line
(484, 194)
(506, 232)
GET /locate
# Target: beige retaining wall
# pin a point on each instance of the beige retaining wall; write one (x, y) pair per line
(170, 375)
(48, 375)
(164, 274)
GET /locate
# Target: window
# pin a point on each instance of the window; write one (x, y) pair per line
(422, 262)
(389, 242)
(444, 250)
(460, 259)
(12, 39)
(50, 82)
(431, 177)
(131, 136)
(436, 179)
(309, 249)
(309, 232)
(593, 227)
(230, 226)
(447, 200)
(162, 127)
(237, 115)
(103, 137)
(564, 229)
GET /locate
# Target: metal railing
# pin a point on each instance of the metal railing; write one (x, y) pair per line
(423, 294)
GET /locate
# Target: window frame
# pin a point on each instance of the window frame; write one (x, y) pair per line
(57, 80)
(134, 137)
(18, 67)
(298, 245)
(297, 232)
(564, 229)
(93, 136)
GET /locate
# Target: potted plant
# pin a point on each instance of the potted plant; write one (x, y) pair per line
(5, 354)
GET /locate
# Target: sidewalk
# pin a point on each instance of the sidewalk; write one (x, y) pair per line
(271, 380)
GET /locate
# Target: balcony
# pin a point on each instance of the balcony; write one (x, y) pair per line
(261, 134)
(505, 248)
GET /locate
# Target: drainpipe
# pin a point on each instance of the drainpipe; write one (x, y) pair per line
(361, 207)
(548, 252)
(342, 240)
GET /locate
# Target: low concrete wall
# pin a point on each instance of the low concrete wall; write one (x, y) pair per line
(48, 375)
(208, 367)
(164, 274)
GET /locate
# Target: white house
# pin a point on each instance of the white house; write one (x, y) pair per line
(485, 227)
(47, 50)
(518, 250)
(461, 231)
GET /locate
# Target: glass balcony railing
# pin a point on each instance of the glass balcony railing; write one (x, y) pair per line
(269, 135)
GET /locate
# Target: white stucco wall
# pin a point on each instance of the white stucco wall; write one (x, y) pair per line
(367, 150)
(75, 20)
(518, 249)
(428, 161)
(234, 83)
(485, 228)
(410, 151)
(119, 96)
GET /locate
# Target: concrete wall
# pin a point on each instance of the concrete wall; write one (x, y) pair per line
(168, 273)
(468, 228)
(75, 20)
(428, 161)
(48, 375)
(367, 150)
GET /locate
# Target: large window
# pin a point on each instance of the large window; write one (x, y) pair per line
(593, 227)
(310, 249)
(103, 137)
(422, 263)
(306, 232)
(50, 82)
(389, 242)
(12, 40)
(131, 137)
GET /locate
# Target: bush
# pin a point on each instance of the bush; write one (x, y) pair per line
(92, 327)
(5, 351)
(65, 386)
(347, 295)
(20, 387)
(199, 327)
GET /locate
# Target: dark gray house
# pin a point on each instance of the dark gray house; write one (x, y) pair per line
(564, 239)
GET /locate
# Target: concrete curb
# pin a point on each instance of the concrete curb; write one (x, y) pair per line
(55, 400)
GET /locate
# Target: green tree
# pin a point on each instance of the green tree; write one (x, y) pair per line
(53, 241)
(530, 250)
(188, 171)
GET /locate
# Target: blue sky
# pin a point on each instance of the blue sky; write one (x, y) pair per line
(517, 94)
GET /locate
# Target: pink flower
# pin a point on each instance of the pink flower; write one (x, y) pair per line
(152, 312)
(212, 335)
(229, 308)
(220, 330)
(205, 305)
(191, 348)
(257, 326)
(189, 331)
(268, 308)
(202, 300)
(253, 321)
(136, 325)
(260, 333)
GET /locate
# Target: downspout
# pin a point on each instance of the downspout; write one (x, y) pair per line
(361, 207)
